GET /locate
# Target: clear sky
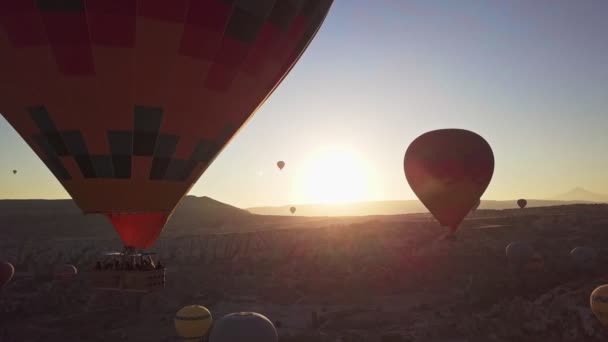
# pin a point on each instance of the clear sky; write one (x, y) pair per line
(530, 76)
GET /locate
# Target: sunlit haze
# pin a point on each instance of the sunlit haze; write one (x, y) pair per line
(531, 77)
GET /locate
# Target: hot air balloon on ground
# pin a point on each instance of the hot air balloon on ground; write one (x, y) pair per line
(449, 170)
(243, 326)
(599, 304)
(583, 258)
(281, 164)
(192, 322)
(64, 273)
(522, 203)
(129, 102)
(7, 271)
(519, 254)
(293, 210)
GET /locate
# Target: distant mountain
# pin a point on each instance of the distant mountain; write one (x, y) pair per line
(580, 194)
(398, 207)
(62, 218)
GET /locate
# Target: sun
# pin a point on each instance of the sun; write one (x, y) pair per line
(335, 175)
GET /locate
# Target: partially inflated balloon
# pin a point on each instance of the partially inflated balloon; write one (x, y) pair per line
(522, 203)
(599, 304)
(128, 102)
(292, 209)
(449, 170)
(6, 273)
(65, 272)
(192, 322)
(243, 326)
(519, 253)
(281, 164)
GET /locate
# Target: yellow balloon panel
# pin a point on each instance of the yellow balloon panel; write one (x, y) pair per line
(193, 321)
(599, 304)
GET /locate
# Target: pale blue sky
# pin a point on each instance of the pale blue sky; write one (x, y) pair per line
(529, 76)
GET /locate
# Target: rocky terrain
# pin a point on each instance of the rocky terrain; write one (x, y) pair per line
(381, 278)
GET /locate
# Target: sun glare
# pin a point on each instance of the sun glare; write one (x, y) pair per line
(335, 175)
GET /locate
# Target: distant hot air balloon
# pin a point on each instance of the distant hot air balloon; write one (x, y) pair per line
(292, 209)
(599, 304)
(522, 203)
(583, 258)
(7, 270)
(243, 326)
(281, 164)
(192, 322)
(65, 272)
(519, 253)
(449, 170)
(129, 102)
(14, 172)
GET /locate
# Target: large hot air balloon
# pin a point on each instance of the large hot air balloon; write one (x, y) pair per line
(599, 304)
(6, 273)
(128, 102)
(449, 170)
(522, 203)
(192, 322)
(281, 164)
(293, 210)
(243, 326)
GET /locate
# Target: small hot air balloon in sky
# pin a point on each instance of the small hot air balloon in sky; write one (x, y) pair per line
(129, 102)
(583, 258)
(449, 170)
(519, 253)
(292, 209)
(243, 326)
(193, 322)
(6, 273)
(65, 272)
(522, 203)
(599, 304)
(281, 164)
(14, 172)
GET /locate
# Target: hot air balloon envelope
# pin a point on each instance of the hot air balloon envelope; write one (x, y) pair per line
(583, 257)
(449, 170)
(128, 102)
(281, 164)
(522, 203)
(599, 304)
(292, 209)
(6, 273)
(519, 253)
(243, 326)
(193, 322)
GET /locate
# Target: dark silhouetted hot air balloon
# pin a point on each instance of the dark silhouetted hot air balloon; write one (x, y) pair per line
(292, 209)
(192, 322)
(583, 258)
(599, 304)
(522, 203)
(449, 170)
(281, 164)
(243, 326)
(65, 272)
(6, 273)
(14, 172)
(519, 253)
(128, 102)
